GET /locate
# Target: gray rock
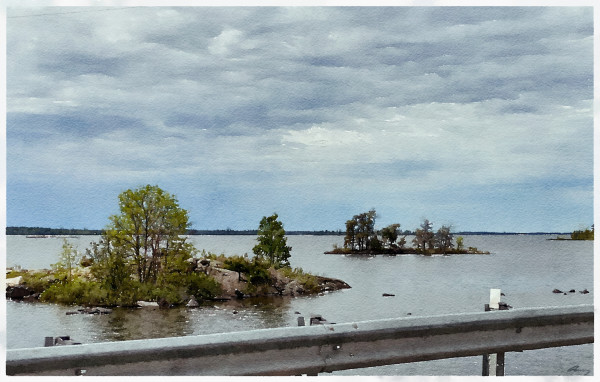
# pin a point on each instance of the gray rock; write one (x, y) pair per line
(192, 303)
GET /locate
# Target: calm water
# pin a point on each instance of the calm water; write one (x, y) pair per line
(526, 268)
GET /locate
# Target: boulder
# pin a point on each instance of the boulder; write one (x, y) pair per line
(205, 262)
(293, 288)
(163, 303)
(239, 293)
(147, 303)
(32, 298)
(328, 283)
(18, 292)
(278, 281)
(192, 303)
(14, 281)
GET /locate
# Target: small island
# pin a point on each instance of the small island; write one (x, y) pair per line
(362, 239)
(586, 234)
(143, 257)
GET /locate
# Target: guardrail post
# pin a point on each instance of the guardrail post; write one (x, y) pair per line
(500, 364)
(496, 361)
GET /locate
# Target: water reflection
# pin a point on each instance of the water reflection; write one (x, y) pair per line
(148, 322)
(270, 311)
(235, 315)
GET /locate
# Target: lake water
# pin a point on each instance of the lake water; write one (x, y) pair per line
(526, 267)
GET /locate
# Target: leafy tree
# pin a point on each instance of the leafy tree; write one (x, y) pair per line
(350, 238)
(238, 264)
(360, 232)
(460, 243)
(68, 259)
(390, 234)
(272, 243)
(110, 267)
(150, 231)
(365, 229)
(443, 239)
(424, 236)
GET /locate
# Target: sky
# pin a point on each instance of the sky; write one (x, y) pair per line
(475, 117)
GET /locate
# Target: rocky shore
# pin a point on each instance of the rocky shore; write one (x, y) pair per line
(232, 285)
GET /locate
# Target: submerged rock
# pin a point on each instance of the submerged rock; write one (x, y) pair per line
(95, 310)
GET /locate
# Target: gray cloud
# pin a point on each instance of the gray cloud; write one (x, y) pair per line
(412, 96)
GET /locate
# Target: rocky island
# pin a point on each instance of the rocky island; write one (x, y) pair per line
(143, 256)
(31, 285)
(362, 239)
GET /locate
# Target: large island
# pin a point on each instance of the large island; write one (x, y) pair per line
(143, 255)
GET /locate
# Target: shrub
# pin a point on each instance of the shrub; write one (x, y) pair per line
(38, 281)
(75, 292)
(202, 286)
(259, 276)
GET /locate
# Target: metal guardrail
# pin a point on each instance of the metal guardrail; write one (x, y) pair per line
(315, 349)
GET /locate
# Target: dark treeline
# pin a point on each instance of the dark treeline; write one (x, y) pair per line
(39, 231)
(35, 231)
(85, 231)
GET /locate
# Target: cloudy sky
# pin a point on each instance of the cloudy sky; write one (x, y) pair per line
(476, 117)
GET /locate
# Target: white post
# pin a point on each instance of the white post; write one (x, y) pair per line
(490, 360)
(495, 298)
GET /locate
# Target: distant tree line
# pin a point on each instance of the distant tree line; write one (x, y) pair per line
(50, 231)
(39, 231)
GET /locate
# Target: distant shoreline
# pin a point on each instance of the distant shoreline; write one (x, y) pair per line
(37, 231)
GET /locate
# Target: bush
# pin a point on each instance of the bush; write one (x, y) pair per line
(38, 281)
(75, 292)
(259, 276)
(202, 286)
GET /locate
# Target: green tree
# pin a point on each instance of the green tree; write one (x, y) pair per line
(150, 231)
(366, 229)
(68, 259)
(390, 234)
(110, 267)
(350, 238)
(460, 243)
(272, 243)
(424, 236)
(443, 239)
(238, 264)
